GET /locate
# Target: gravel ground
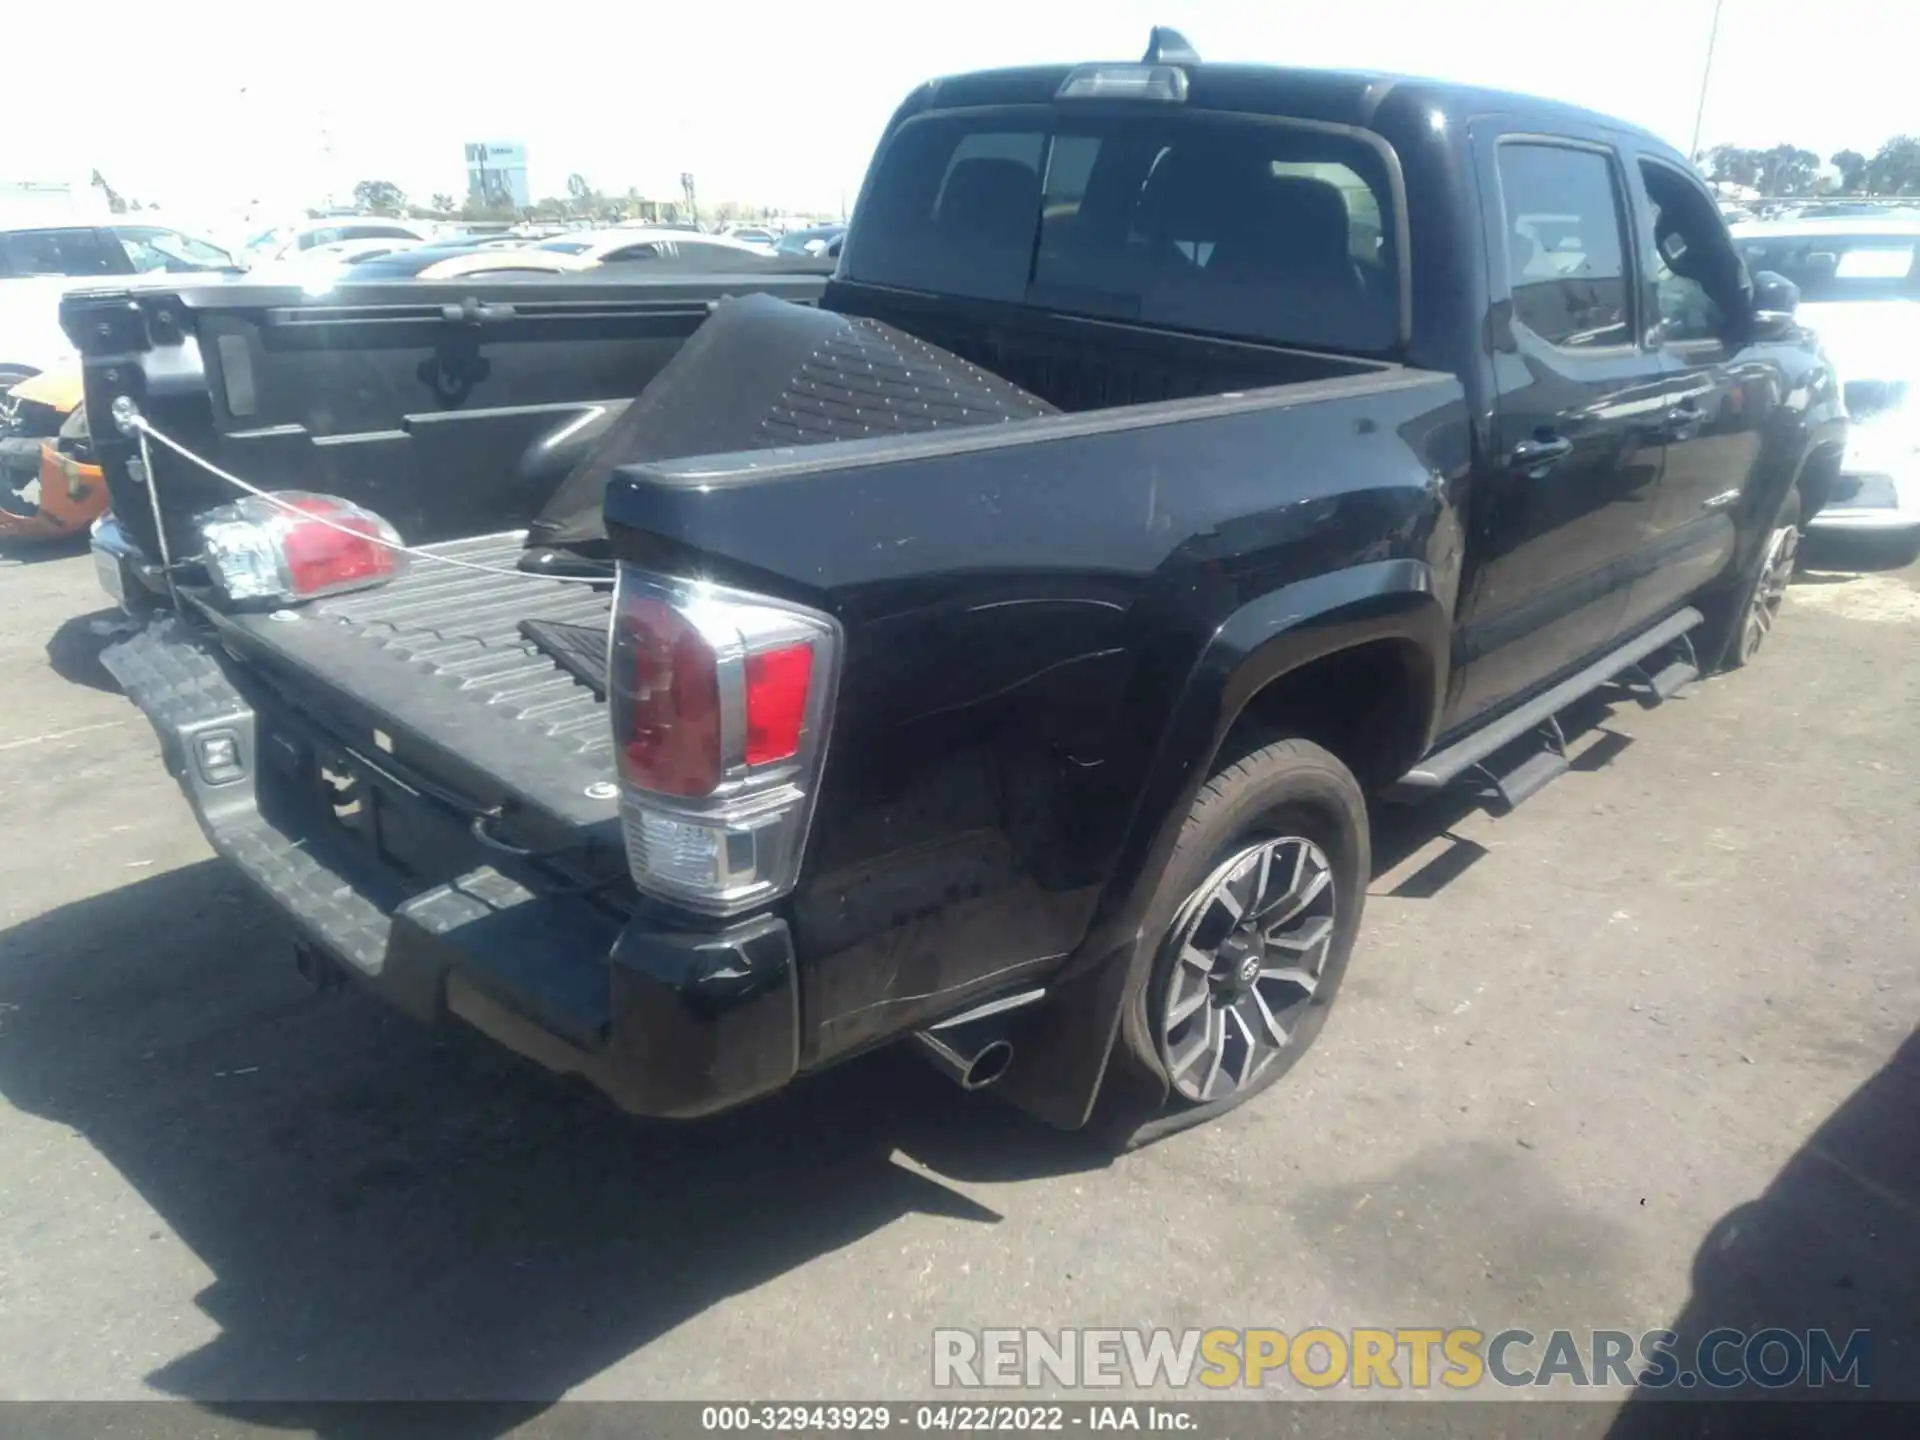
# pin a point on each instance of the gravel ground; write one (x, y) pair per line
(1640, 1054)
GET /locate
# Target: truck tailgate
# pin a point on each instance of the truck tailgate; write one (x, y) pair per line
(433, 669)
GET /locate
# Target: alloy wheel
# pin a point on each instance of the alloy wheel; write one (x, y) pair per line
(1248, 949)
(1776, 572)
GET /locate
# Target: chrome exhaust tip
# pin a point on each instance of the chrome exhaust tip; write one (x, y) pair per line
(972, 1058)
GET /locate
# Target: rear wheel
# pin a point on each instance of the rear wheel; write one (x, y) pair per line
(1252, 929)
(1244, 961)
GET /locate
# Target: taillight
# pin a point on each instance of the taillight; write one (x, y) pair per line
(321, 545)
(777, 685)
(671, 741)
(720, 706)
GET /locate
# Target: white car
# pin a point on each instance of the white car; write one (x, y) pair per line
(608, 247)
(40, 263)
(1860, 292)
(287, 242)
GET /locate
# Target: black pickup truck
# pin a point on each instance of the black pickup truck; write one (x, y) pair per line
(997, 644)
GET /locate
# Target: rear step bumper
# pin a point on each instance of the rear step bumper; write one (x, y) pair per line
(666, 1022)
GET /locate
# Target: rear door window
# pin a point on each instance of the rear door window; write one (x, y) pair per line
(1274, 231)
(1566, 251)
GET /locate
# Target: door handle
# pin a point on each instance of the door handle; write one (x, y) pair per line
(1539, 453)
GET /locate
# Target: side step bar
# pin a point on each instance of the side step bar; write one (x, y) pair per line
(1443, 767)
(1681, 670)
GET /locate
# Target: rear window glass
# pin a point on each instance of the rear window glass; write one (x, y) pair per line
(1268, 231)
(1839, 266)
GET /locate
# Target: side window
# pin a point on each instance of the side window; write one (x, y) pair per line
(648, 251)
(1694, 265)
(59, 252)
(1566, 262)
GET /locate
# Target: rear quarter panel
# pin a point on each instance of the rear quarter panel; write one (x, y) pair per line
(1027, 613)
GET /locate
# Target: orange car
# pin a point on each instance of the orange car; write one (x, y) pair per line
(49, 489)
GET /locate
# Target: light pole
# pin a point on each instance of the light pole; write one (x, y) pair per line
(1706, 75)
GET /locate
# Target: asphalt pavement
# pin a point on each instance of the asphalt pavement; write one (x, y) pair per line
(1641, 1054)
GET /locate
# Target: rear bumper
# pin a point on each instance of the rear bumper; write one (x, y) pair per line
(666, 1021)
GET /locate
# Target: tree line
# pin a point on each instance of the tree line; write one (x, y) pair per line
(581, 202)
(1894, 169)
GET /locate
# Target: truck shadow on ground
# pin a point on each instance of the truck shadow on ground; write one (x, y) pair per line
(1833, 1243)
(390, 1212)
(395, 1212)
(40, 552)
(1402, 831)
(73, 650)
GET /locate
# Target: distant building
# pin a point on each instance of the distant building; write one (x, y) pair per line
(497, 173)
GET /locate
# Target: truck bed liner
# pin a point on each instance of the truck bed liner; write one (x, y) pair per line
(463, 629)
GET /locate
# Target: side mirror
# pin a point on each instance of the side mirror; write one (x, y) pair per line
(1774, 294)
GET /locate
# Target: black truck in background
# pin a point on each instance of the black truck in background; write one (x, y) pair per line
(1369, 423)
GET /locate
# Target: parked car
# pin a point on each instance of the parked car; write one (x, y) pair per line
(407, 261)
(352, 252)
(285, 242)
(40, 263)
(624, 245)
(817, 240)
(1005, 645)
(50, 489)
(486, 263)
(751, 235)
(1860, 291)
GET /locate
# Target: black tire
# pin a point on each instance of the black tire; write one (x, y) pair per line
(1735, 628)
(1283, 792)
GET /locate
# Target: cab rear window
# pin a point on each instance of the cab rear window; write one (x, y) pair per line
(1263, 230)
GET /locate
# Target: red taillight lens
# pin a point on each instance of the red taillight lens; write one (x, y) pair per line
(777, 683)
(297, 547)
(322, 560)
(669, 707)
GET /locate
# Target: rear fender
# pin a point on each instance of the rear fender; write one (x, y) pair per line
(1062, 1047)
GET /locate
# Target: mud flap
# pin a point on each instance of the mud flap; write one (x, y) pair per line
(1070, 1067)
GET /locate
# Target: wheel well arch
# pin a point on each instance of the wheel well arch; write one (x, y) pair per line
(1370, 704)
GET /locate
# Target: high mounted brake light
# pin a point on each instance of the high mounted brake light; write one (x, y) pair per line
(1157, 76)
(720, 704)
(255, 549)
(1166, 83)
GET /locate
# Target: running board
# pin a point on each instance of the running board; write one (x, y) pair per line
(1655, 687)
(1533, 774)
(1443, 767)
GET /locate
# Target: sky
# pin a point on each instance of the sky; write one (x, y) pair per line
(231, 104)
